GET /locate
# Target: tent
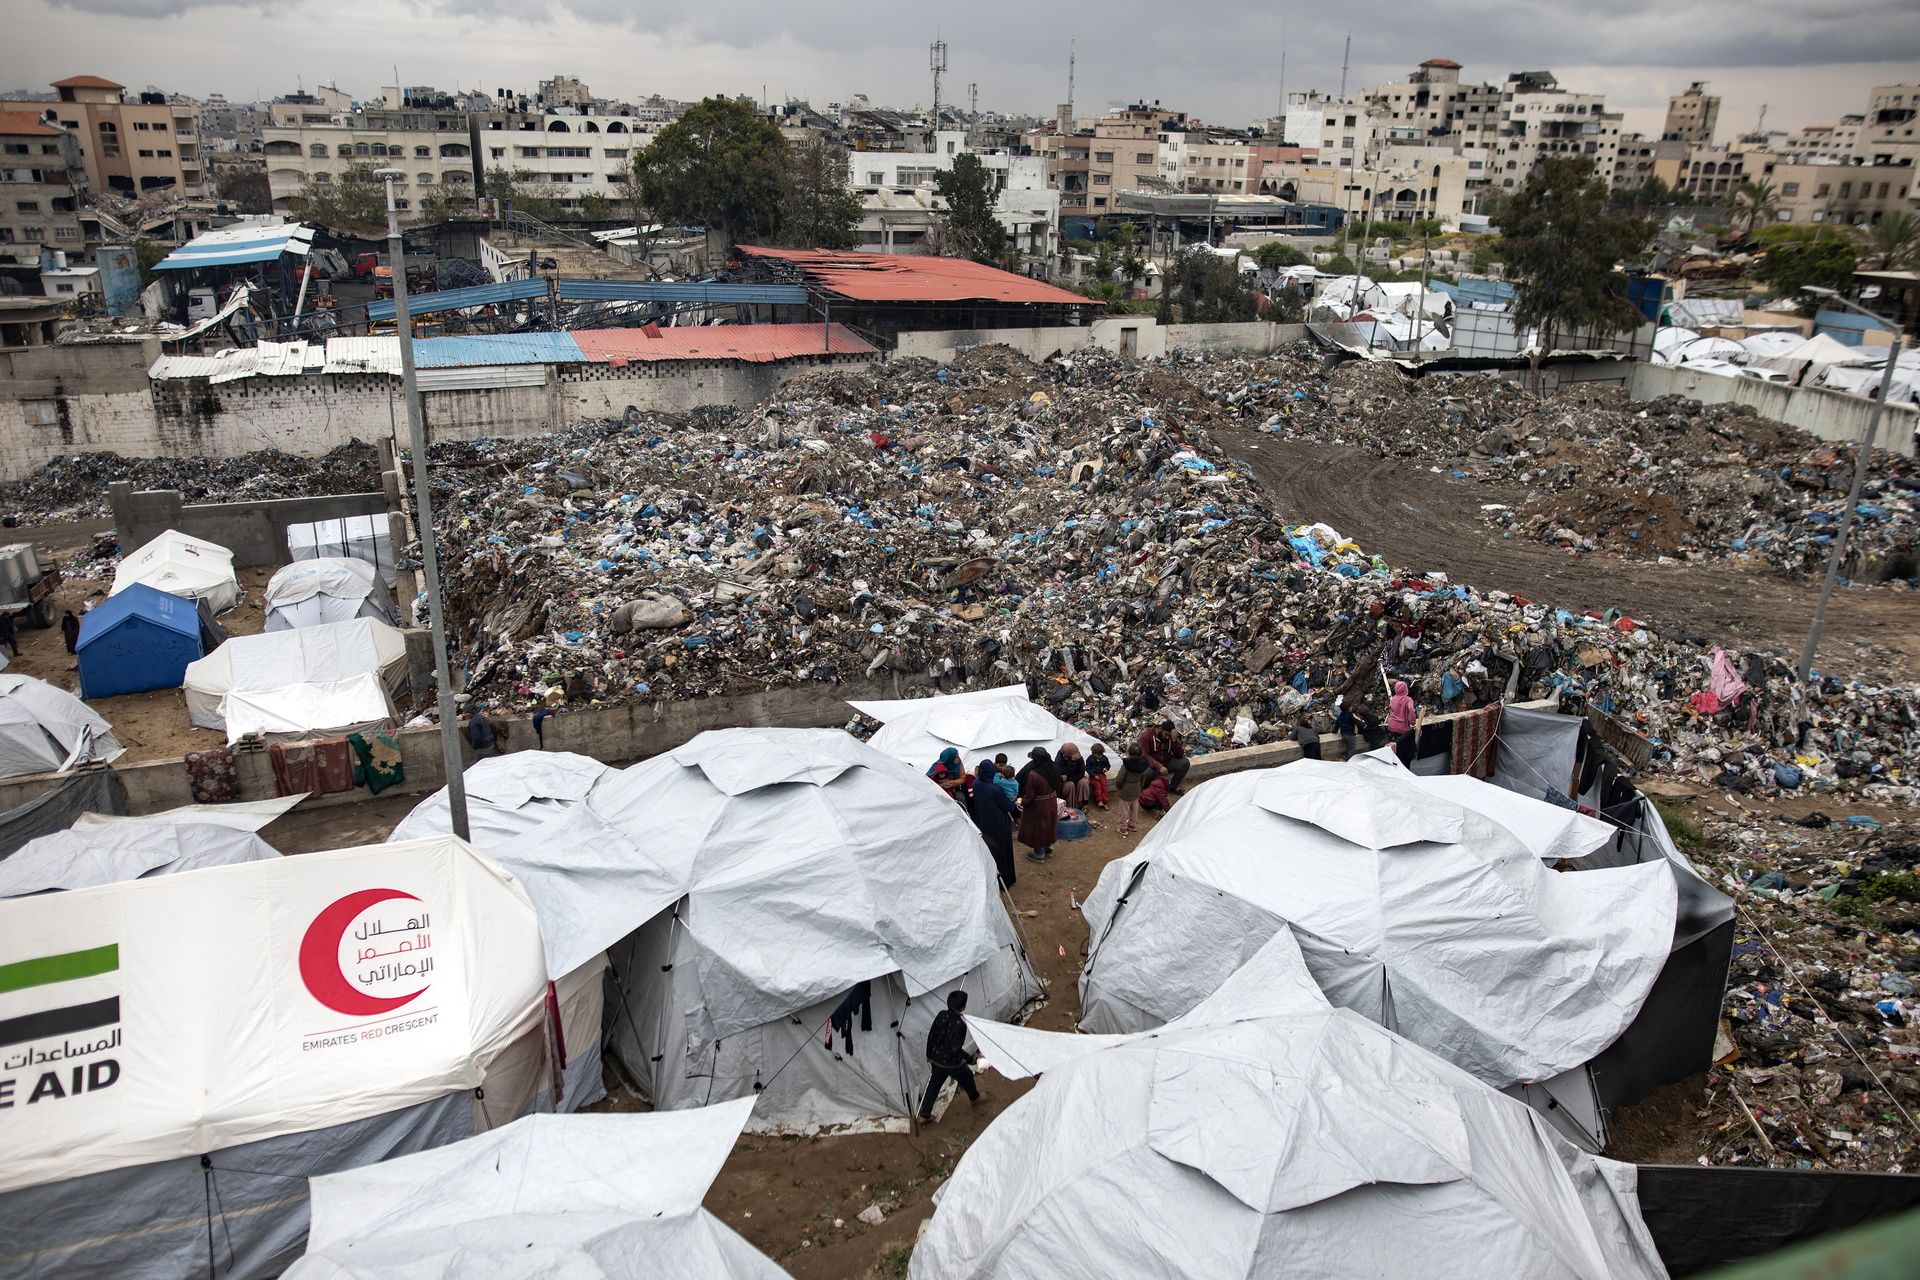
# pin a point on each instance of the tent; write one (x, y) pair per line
(283, 1018)
(981, 724)
(138, 639)
(308, 593)
(190, 567)
(1811, 358)
(1418, 911)
(83, 857)
(43, 729)
(364, 539)
(1270, 1135)
(508, 796)
(606, 1196)
(278, 661)
(314, 709)
(747, 882)
(1771, 342)
(240, 815)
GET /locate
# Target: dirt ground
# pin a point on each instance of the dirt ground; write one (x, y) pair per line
(1425, 521)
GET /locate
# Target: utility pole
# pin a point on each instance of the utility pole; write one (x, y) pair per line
(1345, 57)
(973, 99)
(1072, 46)
(423, 513)
(1283, 82)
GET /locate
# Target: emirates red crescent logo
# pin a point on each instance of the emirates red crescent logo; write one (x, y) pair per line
(369, 953)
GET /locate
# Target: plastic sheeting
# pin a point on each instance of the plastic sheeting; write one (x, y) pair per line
(508, 796)
(240, 815)
(311, 593)
(981, 724)
(279, 660)
(43, 728)
(615, 1196)
(182, 566)
(1470, 947)
(97, 855)
(312, 709)
(70, 798)
(1267, 1134)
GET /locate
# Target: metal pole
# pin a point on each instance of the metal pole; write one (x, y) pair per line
(1853, 496)
(423, 511)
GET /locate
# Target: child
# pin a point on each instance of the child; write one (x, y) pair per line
(1098, 767)
(1136, 771)
(1003, 777)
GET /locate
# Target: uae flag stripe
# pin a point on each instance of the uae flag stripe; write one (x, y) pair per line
(64, 967)
(60, 1022)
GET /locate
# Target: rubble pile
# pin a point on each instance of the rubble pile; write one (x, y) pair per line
(1820, 1056)
(1075, 526)
(74, 487)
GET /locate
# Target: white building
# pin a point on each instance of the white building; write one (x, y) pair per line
(897, 190)
(1541, 121)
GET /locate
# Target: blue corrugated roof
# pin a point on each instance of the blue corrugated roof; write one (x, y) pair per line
(231, 246)
(479, 295)
(496, 348)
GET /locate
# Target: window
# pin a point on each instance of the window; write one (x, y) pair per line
(318, 151)
(497, 152)
(345, 150)
(141, 125)
(17, 149)
(1785, 215)
(1350, 122)
(1846, 189)
(422, 153)
(109, 138)
(1883, 196)
(458, 176)
(1789, 188)
(569, 151)
(1102, 180)
(362, 149)
(558, 126)
(400, 204)
(449, 150)
(1103, 157)
(66, 233)
(1346, 144)
(379, 148)
(27, 206)
(164, 154)
(1143, 158)
(425, 179)
(322, 178)
(1821, 190)
(615, 153)
(876, 179)
(49, 148)
(146, 154)
(529, 153)
(33, 233)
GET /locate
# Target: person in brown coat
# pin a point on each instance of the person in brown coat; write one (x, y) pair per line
(1039, 805)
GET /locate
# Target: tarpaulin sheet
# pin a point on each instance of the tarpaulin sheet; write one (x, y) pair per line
(306, 710)
(44, 728)
(56, 808)
(86, 857)
(981, 724)
(328, 653)
(232, 246)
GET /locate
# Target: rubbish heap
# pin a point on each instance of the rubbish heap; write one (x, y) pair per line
(1075, 526)
(74, 487)
(1818, 1049)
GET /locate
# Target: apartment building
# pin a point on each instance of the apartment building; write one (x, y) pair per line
(1886, 136)
(1121, 152)
(41, 182)
(1541, 121)
(1207, 160)
(896, 190)
(1433, 108)
(575, 155)
(138, 147)
(1850, 194)
(1692, 116)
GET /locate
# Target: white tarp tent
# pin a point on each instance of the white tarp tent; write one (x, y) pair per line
(748, 881)
(508, 796)
(313, 709)
(1268, 1135)
(1811, 358)
(308, 593)
(278, 661)
(43, 728)
(85, 857)
(240, 815)
(368, 539)
(981, 724)
(1420, 912)
(192, 568)
(611, 1197)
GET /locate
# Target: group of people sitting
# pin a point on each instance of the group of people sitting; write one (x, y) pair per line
(997, 796)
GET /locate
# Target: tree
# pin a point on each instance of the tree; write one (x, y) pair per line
(1428, 228)
(817, 211)
(968, 188)
(719, 166)
(1105, 266)
(350, 199)
(145, 254)
(1892, 241)
(529, 192)
(1211, 289)
(1126, 235)
(1754, 200)
(246, 190)
(1827, 260)
(1275, 254)
(1133, 269)
(1561, 246)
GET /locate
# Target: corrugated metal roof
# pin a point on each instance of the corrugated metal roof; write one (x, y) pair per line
(248, 242)
(496, 348)
(379, 354)
(479, 376)
(479, 295)
(184, 367)
(757, 343)
(663, 291)
(884, 277)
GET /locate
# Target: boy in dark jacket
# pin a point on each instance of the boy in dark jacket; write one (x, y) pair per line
(947, 1052)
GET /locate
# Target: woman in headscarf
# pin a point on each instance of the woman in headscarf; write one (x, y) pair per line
(1039, 805)
(993, 813)
(1402, 715)
(1074, 787)
(951, 775)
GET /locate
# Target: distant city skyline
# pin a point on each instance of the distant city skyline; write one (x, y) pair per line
(1221, 62)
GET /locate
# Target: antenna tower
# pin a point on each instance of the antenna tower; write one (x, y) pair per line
(937, 59)
(1344, 57)
(1072, 48)
(973, 99)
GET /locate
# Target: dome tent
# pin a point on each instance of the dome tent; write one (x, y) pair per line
(192, 568)
(1422, 913)
(138, 639)
(43, 728)
(308, 593)
(743, 885)
(612, 1196)
(508, 796)
(981, 724)
(1267, 1134)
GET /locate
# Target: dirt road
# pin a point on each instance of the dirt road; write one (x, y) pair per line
(1424, 521)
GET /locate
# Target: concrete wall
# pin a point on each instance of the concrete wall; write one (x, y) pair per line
(1255, 338)
(1151, 340)
(256, 532)
(1827, 415)
(60, 400)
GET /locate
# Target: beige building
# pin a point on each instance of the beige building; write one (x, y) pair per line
(1121, 153)
(41, 183)
(1542, 121)
(1692, 116)
(139, 148)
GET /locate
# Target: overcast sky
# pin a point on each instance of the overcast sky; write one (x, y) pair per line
(1217, 59)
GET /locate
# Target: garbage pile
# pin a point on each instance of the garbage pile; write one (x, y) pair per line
(1075, 526)
(74, 487)
(1820, 1056)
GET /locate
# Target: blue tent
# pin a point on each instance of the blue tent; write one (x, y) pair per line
(138, 639)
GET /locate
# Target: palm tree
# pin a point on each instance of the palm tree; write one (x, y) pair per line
(1754, 201)
(1891, 242)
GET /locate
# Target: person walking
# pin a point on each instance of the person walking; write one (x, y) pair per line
(1402, 715)
(1135, 772)
(70, 628)
(1161, 745)
(949, 1057)
(1039, 805)
(480, 732)
(1347, 727)
(1098, 767)
(994, 812)
(1074, 787)
(7, 637)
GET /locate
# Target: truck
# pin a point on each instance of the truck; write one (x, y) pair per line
(27, 584)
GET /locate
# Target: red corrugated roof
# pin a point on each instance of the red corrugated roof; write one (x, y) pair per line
(758, 343)
(18, 122)
(86, 82)
(898, 277)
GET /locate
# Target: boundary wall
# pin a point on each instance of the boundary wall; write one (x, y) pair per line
(1827, 415)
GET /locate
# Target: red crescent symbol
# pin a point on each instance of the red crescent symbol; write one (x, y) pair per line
(320, 957)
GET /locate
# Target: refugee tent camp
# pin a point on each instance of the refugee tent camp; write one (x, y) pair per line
(1419, 911)
(981, 724)
(1269, 1134)
(331, 676)
(508, 796)
(191, 568)
(43, 728)
(747, 883)
(138, 639)
(283, 1018)
(83, 857)
(613, 1196)
(308, 593)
